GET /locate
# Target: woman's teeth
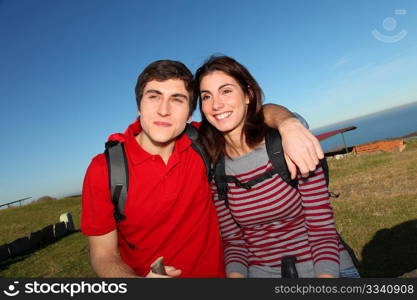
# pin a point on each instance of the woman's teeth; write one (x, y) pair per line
(223, 115)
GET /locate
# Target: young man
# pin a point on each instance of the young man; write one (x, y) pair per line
(169, 211)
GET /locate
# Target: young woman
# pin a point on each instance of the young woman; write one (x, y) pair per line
(262, 225)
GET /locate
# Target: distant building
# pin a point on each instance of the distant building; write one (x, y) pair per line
(392, 145)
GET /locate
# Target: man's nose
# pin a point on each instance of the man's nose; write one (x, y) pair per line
(163, 108)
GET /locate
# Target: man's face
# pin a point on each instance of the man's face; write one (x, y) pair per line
(164, 111)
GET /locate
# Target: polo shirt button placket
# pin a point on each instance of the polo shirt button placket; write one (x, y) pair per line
(165, 178)
(166, 185)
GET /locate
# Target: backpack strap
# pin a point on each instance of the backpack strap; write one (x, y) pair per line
(192, 134)
(119, 173)
(325, 166)
(118, 177)
(276, 156)
(250, 183)
(221, 180)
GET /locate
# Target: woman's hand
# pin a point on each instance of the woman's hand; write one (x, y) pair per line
(235, 275)
(325, 276)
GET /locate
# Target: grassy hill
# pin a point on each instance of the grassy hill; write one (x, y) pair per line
(376, 214)
(66, 258)
(377, 210)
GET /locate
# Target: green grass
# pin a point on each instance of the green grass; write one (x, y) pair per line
(21, 220)
(378, 198)
(66, 258)
(358, 222)
(411, 144)
(376, 214)
(360, 164)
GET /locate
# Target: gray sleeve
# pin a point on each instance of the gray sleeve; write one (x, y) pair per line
(327, 267)
(238, 268)
(345, 260)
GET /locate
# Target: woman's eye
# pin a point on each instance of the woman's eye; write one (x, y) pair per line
(224, 92)
(205, 97)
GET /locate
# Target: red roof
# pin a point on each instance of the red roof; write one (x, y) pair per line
(332, 133)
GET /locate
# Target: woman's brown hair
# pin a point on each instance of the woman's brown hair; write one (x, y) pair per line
(254, 127)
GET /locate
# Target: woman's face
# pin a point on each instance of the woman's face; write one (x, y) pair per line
(223, 102)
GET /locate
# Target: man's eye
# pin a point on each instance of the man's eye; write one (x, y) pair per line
(153, 96)
(180, 100)
(205, 97)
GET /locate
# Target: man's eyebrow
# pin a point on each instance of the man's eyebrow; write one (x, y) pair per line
(153, 91)
(180, 95)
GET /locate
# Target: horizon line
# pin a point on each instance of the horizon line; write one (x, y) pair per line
(365, 115)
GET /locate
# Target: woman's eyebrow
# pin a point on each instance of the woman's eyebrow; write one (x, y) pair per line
(220, 87)
(226, 84)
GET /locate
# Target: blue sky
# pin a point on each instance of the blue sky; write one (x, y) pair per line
(68, 69)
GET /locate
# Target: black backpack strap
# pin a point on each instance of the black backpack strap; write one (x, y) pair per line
(221, 180)
(325, 167)
(192, 134)
(276, 156)
(250, 183)
(118, 176)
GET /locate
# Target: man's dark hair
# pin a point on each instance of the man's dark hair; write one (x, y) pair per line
(162, 70)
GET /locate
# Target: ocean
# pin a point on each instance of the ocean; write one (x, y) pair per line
(391, 123)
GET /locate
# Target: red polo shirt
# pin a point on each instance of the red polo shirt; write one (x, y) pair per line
(169, 211)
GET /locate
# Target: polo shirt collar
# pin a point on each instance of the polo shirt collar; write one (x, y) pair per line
(139, 155)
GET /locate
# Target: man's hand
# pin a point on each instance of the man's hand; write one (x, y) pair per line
(301, 147)
(170, 270)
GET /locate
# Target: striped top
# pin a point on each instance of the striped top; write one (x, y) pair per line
(273, 220)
